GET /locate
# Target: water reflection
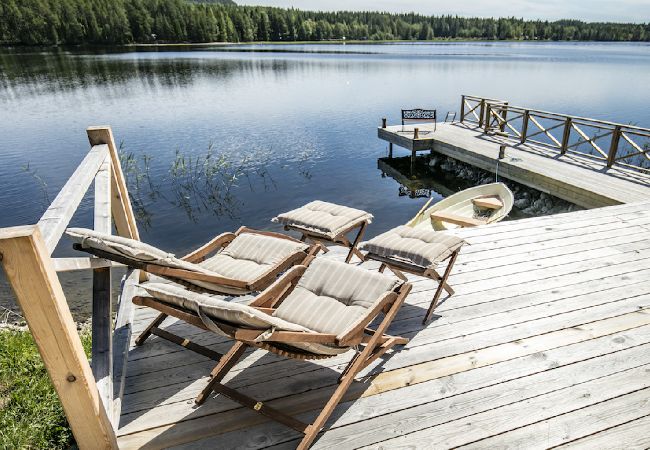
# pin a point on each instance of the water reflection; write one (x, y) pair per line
(439, 176)
(418, 179)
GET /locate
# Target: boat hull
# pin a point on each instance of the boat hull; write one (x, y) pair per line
(460, 204)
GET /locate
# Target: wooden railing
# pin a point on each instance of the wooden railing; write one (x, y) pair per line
(90, 395)
(612, 143)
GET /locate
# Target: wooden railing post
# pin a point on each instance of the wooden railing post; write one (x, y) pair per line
(102, 316)
(462, 108)
(504, 116)
(565, 137)
(524, 126)
(481, 117)
(30, 271)
(486, 121)
(125, 223)
(613, 148)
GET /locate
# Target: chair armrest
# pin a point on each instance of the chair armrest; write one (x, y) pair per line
(267, 233)
(269, 297)
(200, 253)
(354, 333)
(185, 275)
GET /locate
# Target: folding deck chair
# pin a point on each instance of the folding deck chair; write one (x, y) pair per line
(321, 221)
(407, 249)
(309, 313)
(243, 262)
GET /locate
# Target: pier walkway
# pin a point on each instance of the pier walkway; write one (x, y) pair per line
(578, 179)
(546, 342)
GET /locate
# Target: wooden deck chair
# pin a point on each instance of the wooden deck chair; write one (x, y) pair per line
(417, 251)
(232, 263)
(321, 221)
(309, 313)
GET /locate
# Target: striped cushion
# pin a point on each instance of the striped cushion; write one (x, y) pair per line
(425, 248)
(250, 256)
(129, 248)
(328, 219)
(332, 297)
(215, 310)
(217, 307)
(246, 258)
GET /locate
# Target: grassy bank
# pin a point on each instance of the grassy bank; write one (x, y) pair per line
(30, 413)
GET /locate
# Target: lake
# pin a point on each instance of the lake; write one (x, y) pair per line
(232, 135)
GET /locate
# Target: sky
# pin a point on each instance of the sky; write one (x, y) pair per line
(588, 10)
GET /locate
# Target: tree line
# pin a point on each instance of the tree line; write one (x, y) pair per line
(72, 22)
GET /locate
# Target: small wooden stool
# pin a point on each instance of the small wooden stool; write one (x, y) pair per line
(321, 221)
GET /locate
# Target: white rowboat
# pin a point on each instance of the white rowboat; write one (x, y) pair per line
(475, 206)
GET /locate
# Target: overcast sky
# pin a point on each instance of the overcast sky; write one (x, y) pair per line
(589, 10)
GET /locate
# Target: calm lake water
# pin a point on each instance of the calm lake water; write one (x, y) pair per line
(284, 124)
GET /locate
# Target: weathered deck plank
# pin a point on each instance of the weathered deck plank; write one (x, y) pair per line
(549, 313)
(625, 436)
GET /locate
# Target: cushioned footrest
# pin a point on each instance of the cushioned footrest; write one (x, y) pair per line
(425, 248)
(324, 218)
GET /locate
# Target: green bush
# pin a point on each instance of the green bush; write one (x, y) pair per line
(31, 415)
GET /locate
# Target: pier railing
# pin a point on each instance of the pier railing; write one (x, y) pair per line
(612, 143)
(90, 395)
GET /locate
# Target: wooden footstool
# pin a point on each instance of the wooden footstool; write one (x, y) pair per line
(327, 222)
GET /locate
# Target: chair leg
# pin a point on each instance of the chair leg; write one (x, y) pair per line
(431, 273)
(220, 370)
(355, 365)
(353, 248)
(398, 273)
(149, 330)
(186, 343)
(441, 285)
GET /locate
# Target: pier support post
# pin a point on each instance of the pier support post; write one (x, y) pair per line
(413, 157)
(390, 150)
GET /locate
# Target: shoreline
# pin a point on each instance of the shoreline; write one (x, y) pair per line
(326, 42)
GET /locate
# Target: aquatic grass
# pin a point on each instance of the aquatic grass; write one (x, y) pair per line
(31, 415)
(40, 181)
(196, 183)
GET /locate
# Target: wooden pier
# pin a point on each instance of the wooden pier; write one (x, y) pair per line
(545, 343)
(556, 164)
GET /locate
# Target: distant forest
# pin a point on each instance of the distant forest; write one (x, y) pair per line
(71, 22)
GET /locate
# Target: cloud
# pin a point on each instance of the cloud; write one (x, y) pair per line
(589, 10)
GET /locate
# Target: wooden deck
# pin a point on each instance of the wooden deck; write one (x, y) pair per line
(574, 178)
(547, 342)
